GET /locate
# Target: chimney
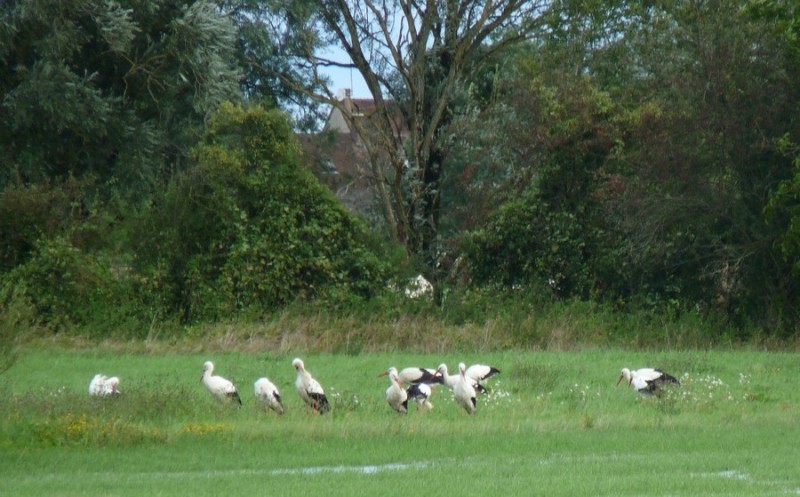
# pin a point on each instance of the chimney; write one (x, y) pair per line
(348, 103)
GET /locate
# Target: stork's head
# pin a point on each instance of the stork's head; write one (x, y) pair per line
(442, 369)
(462, 369)
(625, 373)
(298, 364)
(389, 372)
(113, 385)
(208, 367)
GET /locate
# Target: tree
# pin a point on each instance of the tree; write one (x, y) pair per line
(268, 38)
(716, 95)
(549, 228)
(115, 90)
(697, 105)
(414, 58)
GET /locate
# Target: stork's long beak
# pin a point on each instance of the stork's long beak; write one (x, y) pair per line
(383, 374)
(619, 379)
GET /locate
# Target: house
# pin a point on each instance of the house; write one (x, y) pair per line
(340, 156)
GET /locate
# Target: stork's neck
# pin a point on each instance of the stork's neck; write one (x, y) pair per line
(449, 380)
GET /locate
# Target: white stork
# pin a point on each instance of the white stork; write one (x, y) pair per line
(414, 375)
(97, 385)
(463, 390)
(452, 380)
(481, 373)
(646, 380)
(421, 393)
(309, 389)
(100, 386)
(218, 386)
(268, 394)
(395, 395)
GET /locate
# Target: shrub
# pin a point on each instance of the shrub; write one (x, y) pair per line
(61, 288)
(248, 228)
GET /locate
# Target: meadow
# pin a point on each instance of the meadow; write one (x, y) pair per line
(553, 424)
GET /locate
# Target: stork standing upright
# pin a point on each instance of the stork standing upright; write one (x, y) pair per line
(395, 395)
(463, 390)
(221, 388)
(268, 394)
(451, 380)
(646, 380)
(309, 389)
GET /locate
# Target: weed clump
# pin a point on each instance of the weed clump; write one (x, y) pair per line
(86, 430)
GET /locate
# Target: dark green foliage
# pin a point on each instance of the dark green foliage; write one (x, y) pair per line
(26, 214)
(45, 211)
(60, 269)
(248, 228)
(526, 241)
(784, 210)
(551, 233)
(113, 90)
(62, 288)
(269, 37)
(653, 153)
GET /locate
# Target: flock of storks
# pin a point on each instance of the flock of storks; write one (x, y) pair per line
(410, 383)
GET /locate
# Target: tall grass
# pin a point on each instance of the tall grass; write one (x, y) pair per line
(429, 330)
(474, 319)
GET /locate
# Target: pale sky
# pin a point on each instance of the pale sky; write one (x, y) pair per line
(345, 78)
(348, 78)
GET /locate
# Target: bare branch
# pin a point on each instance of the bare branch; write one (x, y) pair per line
(394, 44)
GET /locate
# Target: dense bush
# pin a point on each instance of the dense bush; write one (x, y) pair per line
(249, 228)
(61, 287)
(116, 90)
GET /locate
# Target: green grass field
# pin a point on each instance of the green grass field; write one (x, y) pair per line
(554, 424)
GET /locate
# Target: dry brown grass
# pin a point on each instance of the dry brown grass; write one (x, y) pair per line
(289, 333)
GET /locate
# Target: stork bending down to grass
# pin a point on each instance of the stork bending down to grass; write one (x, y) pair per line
(309, 389)
(222, 389)
(420, 383)
(101, 386)
(481, 373)
(421, 393)
(268, 394)
(646, 381)
(414, 375)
